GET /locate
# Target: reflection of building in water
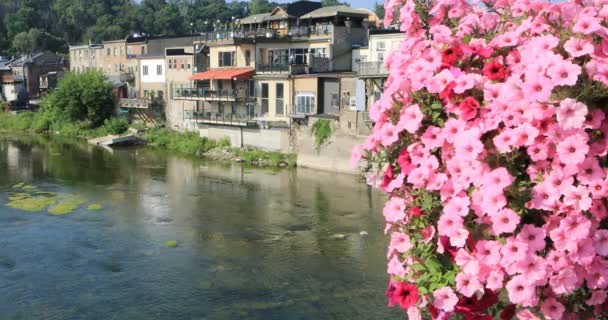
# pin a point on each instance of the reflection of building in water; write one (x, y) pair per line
(12, 156)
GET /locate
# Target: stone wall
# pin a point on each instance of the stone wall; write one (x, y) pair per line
(333, 156)
(272, 139)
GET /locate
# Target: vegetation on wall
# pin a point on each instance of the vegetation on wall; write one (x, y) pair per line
(322, 131)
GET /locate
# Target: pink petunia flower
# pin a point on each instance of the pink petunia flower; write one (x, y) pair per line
(445, 299)
(505, 221)
(552, 309)
(400, 242)
(571, 114)
(578, 47)
(573, 149)
(467, 284)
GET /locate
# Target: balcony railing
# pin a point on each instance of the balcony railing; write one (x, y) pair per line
(372, 69)
(210, 95)
(266, 33)
(315, 65)
(232, 119)
(134, 103)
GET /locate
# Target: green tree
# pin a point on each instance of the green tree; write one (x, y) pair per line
(260, 6)
(379, 9)
(81, 97)
(329, 3)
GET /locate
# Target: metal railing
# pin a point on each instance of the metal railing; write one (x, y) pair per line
(375, 68)
(236, 119)
(134, 103)
(208, 94)
(266, 33)
(272, 67)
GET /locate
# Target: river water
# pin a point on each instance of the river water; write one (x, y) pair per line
(251, 243)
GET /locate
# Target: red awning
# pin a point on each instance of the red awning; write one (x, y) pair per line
(224, 74)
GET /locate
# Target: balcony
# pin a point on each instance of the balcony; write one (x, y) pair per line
(316, 65)
(206, 94)
(372, 69)
(134, 103)
(231, 119)
(266, 34)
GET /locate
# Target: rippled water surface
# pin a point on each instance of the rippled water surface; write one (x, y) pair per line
(252, 243)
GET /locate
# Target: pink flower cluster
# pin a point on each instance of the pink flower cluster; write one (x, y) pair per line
(498, 111)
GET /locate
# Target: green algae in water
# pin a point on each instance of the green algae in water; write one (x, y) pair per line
(29, 187)
(27, 202)
(171, 244)
(68, 205)
(19, 185)
(94, 207)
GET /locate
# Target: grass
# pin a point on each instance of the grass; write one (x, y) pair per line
(40, 122)
(272, 158)
(189, 143)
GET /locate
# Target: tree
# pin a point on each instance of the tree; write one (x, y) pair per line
(379, 9)
(259, 6)
(81, 97)
(329, 3)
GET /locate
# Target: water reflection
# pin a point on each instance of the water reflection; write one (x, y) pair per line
(253, 244)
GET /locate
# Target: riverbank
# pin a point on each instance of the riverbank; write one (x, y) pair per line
(188, 144)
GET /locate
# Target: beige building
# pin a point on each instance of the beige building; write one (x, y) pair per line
(86, 57)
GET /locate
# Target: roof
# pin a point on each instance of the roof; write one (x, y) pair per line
(37, 58)
(255, 18)
(335, 11)
(224, 74)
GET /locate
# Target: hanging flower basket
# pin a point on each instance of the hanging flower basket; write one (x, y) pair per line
(491, 138)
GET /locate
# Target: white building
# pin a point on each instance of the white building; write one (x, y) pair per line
(152, 74)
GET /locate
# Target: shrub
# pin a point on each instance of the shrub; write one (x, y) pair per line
(491, 141)
(189, 143)
(81, 97)
(321, 130)
(115, 126)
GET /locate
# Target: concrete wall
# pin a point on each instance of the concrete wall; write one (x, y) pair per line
(241, 51)
(272, 114)
(174, 113)
(273, 139)
(334, 156)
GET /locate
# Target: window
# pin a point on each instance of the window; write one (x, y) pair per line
(305, 102)
(115, 68)
(298, 56)
(115, 51)
(227, 58)
(182, 63)
(143, 50)
(233, 108)
(189, 66)
(380, 56)
(251, 88)
(280, 98)
(122, 67)
(264, 98)
(161, 94)
(278, 57)
(159, 69)
(319, 52)
(145, 70)
(108, 51)
(381, 46)
(282, 25)
(248, 57)
(220, 108)
(146, 93)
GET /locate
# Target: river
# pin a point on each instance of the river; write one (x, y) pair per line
(251, 243)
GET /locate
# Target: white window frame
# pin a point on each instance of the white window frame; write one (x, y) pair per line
(308, 105)
(144, 70)
(159, 69)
